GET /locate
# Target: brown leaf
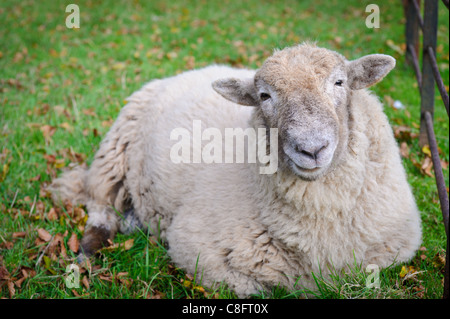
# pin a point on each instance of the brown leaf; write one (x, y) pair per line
(103, 277)
(36, 178)
(404, 133)
(51, 159)
(67, 127)
(73, 243)
(4, 273)
(75, 293)
(125, 245)
(78, 214)
(404, 150)
(53, 246)
(89, 112)
(62, 247)
(11, 289)
(6, 244)
(85, 282)
(25, 272)
(20, 234)
(52, 215)
(44, 235)
(427, 166)
(157, 295)
(48, 131)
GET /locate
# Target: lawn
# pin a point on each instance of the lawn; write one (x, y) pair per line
(62, 88)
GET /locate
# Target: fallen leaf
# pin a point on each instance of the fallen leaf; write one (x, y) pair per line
(48, 131)
(419, 291)
(118, 66)
(11, 289)
(67, 127)
(26, 273)
(404, 133)
(90, 112)
(52, 215)
(403, 272)
(20, 234)
(157, 295)
(36, 178)
(427, 165)
(85, 282)
(404, 150)
(44, 235)
(47, 265)
(397, 48)
(4, 273)
(426, 150)
(50, 158)
(103, 277)
(75, 293)
(73, 243)
(444, 164)
(127, 245)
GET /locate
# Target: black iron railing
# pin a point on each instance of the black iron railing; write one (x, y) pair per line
(426, 79)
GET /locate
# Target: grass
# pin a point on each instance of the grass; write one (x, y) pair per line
(62, 88)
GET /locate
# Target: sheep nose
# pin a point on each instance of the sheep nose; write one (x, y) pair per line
(311, 151)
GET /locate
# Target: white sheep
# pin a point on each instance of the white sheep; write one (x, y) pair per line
(339, 194)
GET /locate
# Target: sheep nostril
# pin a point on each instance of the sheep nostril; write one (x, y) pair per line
(308, 154)
(311, 153)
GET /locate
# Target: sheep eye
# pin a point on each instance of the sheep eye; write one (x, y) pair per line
(264, 96)
(338, 83)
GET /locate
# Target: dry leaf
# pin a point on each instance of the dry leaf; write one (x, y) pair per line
(404, 133)
(48, 131)
(157, 295)
(85, 282)
(397, 48)
(44, 235)
(26, 272)
(118, 66)
(125, 245)
(427, 166)
(404, 150)
(426, 150)
(52, 215)
(4, 273)
(11, 289)
(444, 164)
(73, 243)
(67, 127)
(89, 112)
(20, 234)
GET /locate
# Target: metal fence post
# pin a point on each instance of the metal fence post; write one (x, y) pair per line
(428, 82)
(412, 31)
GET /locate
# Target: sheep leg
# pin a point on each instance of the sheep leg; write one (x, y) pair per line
(101, 226)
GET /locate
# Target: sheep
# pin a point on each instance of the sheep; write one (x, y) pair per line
(339, 194)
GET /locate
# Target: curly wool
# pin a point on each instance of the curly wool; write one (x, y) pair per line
(232, 224)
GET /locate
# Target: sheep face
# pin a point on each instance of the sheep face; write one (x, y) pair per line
(305, 92)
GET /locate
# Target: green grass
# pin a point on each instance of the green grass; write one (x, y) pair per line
(60, 90)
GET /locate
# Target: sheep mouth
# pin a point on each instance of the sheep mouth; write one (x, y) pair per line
(302, 172)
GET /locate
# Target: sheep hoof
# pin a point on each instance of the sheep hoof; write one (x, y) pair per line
(83, 260)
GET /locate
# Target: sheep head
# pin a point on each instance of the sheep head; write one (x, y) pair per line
(305, 92)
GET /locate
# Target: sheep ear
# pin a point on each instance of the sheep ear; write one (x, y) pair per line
(236, 90)
(368, 70)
